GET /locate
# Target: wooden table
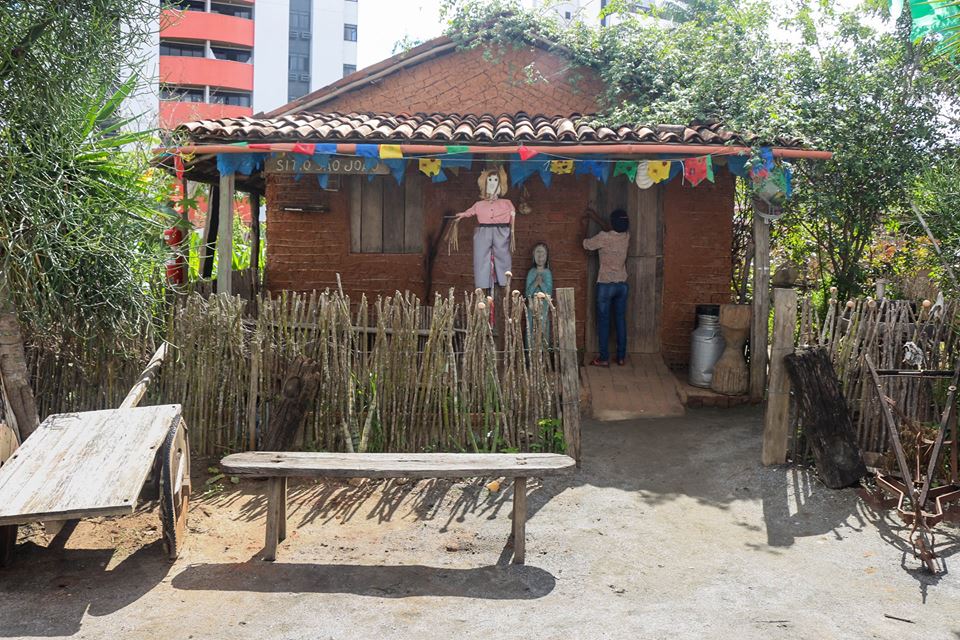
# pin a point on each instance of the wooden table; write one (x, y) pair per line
(95, 463)
(278, 466)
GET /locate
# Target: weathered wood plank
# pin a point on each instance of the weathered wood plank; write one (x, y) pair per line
(519, 520)
(355, 190)
(274, 498)
(776, 419)
(569, 370)
(393, 216)
(394, 465)
(761, 307)
(225, 238)
(211, 227)
(84, 464)
(371, 217)
(413, 213)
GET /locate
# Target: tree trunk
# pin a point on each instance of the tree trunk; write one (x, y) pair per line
(18, 395)
(826, 418)
(286, 419)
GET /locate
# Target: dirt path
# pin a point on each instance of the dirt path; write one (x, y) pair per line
(672, 530)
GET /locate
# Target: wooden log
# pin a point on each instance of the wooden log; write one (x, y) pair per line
(225, 239)
(14, 375)
(519, 520)
(137, 391)
(286, 420)
(826, 418)
(252, 397)
(776, 419)
(761, 307)
(569, 371)
(731, 376)
(211, 227)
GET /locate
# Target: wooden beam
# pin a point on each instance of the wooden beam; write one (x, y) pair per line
(776, 419)
(210, 227)
(225, 239)
(761, 307)
(255, 239)
(569, 371)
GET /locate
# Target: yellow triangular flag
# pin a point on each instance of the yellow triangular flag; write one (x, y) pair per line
(390, 151)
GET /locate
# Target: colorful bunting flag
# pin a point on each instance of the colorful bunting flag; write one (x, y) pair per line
(391, 151)
(305, 148)
(325, 147)
(710, 169)
(561, 166)
(430, 167)
(695, 170)
(323, 179)
(440, 177)
(457, 148)
(626, 168)
(460, 161)
(398, 166)
(643, 179)
(737, 165)
(526, 153)
(596, 167)
(658, 170)
(244, 163)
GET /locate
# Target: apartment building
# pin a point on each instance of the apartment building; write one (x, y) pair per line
(228, 58)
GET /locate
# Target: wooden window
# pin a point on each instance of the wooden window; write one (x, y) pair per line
(386, 217)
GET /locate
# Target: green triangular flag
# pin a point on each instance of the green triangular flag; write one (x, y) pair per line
(457, 148)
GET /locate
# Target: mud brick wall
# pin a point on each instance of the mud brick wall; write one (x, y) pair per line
(499, 79)
(305, 251)
(697, 237)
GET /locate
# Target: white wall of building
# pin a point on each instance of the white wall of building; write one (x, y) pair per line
(271, 43)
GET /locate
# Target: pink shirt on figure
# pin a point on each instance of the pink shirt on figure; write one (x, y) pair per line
(499, 211)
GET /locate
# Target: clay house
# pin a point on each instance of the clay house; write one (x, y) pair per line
(375, 213)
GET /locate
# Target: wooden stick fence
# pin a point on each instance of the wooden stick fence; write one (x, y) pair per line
(881, 329)
(397, 375)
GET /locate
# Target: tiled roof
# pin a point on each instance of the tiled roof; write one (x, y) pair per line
(505, 129)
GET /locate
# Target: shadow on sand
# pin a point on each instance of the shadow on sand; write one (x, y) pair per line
(506, 582)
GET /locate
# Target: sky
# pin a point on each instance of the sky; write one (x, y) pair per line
(383, 22)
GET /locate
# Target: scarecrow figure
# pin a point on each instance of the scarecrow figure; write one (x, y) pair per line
(493, 237)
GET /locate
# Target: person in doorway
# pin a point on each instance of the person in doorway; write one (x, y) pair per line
(612, 244)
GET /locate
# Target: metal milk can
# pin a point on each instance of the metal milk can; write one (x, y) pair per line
(706, 345)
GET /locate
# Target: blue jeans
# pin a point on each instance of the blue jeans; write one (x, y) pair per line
(612, 295)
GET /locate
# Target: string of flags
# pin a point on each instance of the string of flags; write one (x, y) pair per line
(770, 180)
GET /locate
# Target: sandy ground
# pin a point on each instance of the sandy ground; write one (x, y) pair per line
(671, 530)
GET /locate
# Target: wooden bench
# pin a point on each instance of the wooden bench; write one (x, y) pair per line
(278, 466)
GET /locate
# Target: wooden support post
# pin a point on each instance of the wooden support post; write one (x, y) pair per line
(761, 306)
(210, 228)
(255, 240)
(569, 371)
(282, 511)
(276, 509)
(519, 520)
(776, 419)
(225, 239)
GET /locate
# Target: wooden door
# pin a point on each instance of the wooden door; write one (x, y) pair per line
(644, 263)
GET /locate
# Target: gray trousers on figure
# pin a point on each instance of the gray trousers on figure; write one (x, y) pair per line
(491, 240)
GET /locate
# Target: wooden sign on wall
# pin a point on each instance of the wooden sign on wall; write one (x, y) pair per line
(339, 165)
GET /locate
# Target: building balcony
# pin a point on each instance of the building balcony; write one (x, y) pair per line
(174, 113)
(185, 71)
(199, 25)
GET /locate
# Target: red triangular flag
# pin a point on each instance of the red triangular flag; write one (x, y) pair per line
(304, 148)
(526, 153)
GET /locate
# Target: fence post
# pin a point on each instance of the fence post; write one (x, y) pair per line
(569, 371)
(776, 418)
(225, 237)
(761, 306)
